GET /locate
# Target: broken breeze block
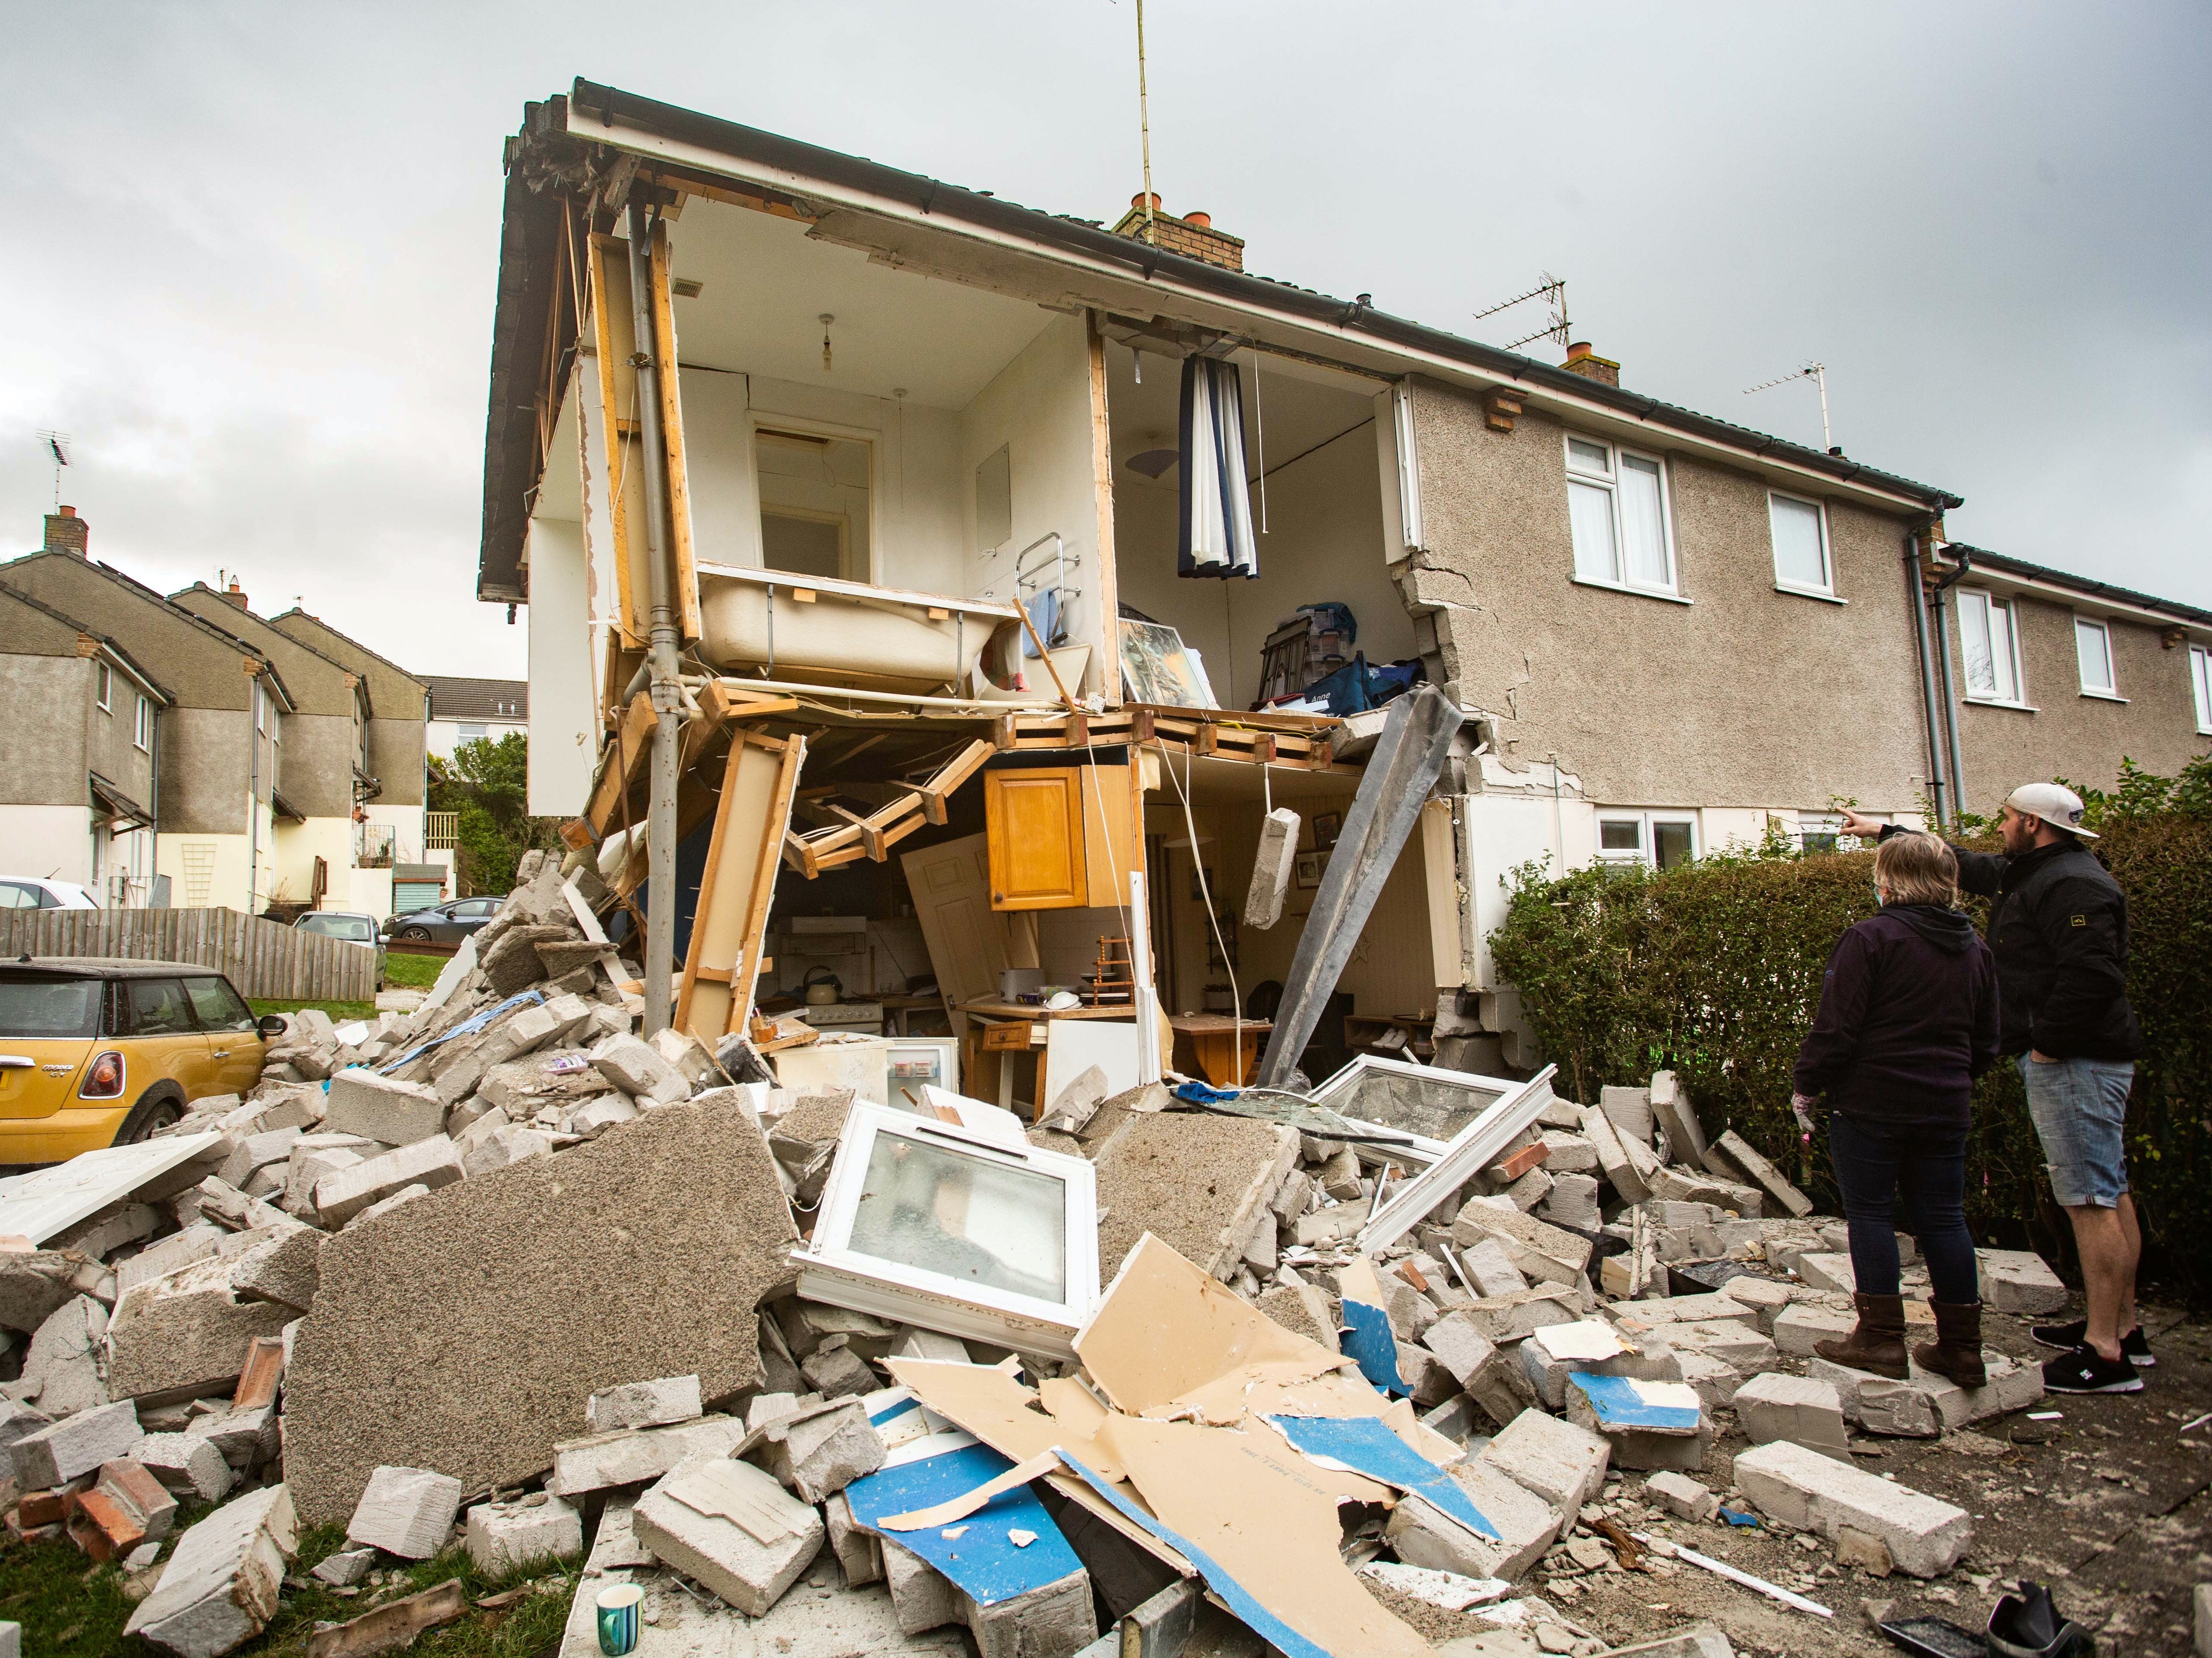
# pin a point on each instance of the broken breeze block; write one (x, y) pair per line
(408, 1512)
(344, 1192)
(644, 1404)
(220, 1588)
(2019, 1281)
(1559, 1461)
(1649, 1425)
(1805, 1488)
(1802, 1410)
(187, 1335)
(1422, 1535)
(75, 1446)
(380, 1108)
(683, 1520)
(503, 1536)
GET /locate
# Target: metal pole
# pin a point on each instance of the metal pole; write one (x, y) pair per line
(667, 687)
(1950, 704)
(1143, 124)
(1939, 783)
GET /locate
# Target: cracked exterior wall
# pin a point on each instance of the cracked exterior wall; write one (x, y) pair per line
(1745, 696)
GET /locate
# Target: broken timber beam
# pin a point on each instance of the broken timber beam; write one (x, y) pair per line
(1408, 758)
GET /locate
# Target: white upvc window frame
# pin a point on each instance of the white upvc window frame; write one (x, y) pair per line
(2009, 659)
(104, 687)
(831, 1271)
(1646, 849)
(2110, 690)
(1607, 479)
(1826, 587)
(2200, 684)
(142, 725)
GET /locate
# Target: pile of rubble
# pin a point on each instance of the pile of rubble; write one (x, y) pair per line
(503, 1275)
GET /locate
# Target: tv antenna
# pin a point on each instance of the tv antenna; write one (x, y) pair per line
(58, 444)
(1552, 290)
(1817, 374)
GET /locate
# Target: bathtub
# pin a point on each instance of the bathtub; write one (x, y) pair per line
(840, 633)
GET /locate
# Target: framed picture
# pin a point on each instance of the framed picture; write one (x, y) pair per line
(1158, 667)
(1326, 826)
(1308, 870)
(1198, 892)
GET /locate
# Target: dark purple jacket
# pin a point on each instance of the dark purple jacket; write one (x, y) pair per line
(1908, 1019)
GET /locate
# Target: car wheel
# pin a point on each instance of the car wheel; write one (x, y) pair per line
(421, 933)
(146, 1117)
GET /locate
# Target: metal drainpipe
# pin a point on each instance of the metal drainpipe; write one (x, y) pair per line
(153, 829)
(1950, 691)
(1939, 781)
(252, 787)
(667, 688)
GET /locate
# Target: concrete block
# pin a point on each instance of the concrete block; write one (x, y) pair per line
(18, 1420)
(923, 1597)
(583, 1465)
(1491, 1269)
(345, 1568)
(285, 1269)
(1638, 1450)
(253, 1152)
(823, 1452)
(598, 1114)
(187, 1335)
(1561, 1463)
(1421, 1370)
(686, 1519)
(245, 1439)
(1697, 1641)
(1716, 1382)
(1828, 1271)
(1573, 1201)
(652, 1403)
(1629, 1110)
(75, 1446)
(1568, 1153)
(1054, 1620)
(1796, 1329)
(1529, 1190)
(1422, 1535)
(219, 1589)
(1803, 1488)
(1694, 1185)
(1805, 1410)
(315, 1155)
(1612, 1159)
(502, 1537)
(1767, 1298)
(408, 1512)
(383, 1109)
(860, 1554)
(1409, 1311)
(839, 1372)
(1672, 1111)
(1502, 1319)
(34, 1286)
(68, 1359)
(2019, 1281)
(1322, 1227)
(1541, 1252)
(1459, 1420)
(1735, 1343)
(1302, 1308)
(341, 1195)
(185, 1464)
(684, 1054)
(1551, 1355)
(1762, 1174)
(1680, 1496)
(634, 1067)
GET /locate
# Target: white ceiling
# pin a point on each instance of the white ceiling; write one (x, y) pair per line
(767, 283)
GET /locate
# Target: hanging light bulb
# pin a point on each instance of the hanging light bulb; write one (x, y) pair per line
(826, 320)
(1138, 357)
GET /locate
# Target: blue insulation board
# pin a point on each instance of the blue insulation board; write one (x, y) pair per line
(1240, 1600)
(1365, 1445)
(982, 1559)
(1367, 1338)
(1623, 1402)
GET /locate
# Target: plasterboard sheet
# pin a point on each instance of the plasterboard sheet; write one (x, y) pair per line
(38, 1205)
(978, 1553)
(1471, 1150)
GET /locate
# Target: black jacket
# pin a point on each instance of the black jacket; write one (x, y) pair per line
(1908, 1019)
(2058, 924)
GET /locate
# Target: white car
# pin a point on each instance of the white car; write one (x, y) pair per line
(36, 892)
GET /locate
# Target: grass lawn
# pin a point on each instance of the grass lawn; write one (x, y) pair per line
(412, 972)
(339, 1011)
(71, 1609)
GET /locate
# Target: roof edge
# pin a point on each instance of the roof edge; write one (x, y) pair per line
(2088, 587)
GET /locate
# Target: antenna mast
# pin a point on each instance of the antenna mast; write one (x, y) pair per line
(58, 444)
(1145, 128)
(1817, 374)
(1552, 290)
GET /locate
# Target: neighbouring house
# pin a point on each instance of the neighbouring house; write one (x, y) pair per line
(214, 781)
(79, 744)
(397, 833)
(466, 710)
(2054, 675)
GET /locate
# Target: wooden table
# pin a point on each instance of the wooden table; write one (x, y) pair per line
(1212, 1042)
(999, 1030)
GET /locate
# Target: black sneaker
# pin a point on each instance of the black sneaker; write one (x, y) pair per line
(2135, 1346)
(2086, 1370)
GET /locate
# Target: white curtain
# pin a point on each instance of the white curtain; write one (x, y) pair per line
(1216, 532)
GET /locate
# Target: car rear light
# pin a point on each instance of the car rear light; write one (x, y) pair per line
(103, 1077)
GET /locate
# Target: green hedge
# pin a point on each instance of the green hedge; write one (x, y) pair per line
(1713, 970)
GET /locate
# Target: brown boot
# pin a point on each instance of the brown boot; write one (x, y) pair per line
(1956, 1352)
(1878, 1344)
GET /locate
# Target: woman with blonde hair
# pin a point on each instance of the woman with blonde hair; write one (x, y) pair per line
(1908, 1020)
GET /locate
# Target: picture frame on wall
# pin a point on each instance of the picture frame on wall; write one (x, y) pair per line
(1307, 870)
(1327, 825)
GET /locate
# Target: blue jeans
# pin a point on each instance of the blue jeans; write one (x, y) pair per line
(2079, 1108)
(1872, 1160)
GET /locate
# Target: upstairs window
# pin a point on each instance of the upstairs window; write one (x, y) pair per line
(143, 728)
(106, 679)
(1617, 509)
(2093, 649)
(2200, 681)
(1992, 646)
(1801, 564)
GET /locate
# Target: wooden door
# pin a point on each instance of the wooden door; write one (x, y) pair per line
(951, 884)
(1034, 823)
(730, 926)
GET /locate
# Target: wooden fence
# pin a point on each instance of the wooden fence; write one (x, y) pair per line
(266, 959)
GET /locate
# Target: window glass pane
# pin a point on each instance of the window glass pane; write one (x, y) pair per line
(19, 894)
(158, 1008)
(218, 1005)
(2093, 646)
(1799, 560)
(1672, 843)
(31, 1008)
(2201, 661)
(967, 1217)
(1620, 835)
(1643, 527)
(1590, 510)
(1588, 457)
(2003, 664)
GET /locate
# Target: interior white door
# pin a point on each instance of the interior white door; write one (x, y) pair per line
(967, 939)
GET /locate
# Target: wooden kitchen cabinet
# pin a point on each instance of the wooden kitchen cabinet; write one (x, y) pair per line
(1060, 837)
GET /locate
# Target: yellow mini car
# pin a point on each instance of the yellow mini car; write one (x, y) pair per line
(97, 1051)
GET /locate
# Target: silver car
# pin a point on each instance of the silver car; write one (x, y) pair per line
(352, 925)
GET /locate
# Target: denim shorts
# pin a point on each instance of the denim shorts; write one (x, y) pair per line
(2080, 1108)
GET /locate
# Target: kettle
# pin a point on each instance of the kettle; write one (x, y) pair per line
(823, 992)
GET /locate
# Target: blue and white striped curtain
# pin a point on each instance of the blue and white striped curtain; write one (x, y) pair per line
(1216, 530)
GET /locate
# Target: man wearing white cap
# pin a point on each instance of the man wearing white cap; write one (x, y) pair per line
(2058, 927)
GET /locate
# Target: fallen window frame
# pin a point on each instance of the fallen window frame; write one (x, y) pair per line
(1474, 1149)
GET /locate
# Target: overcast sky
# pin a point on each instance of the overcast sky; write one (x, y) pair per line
(252, 256)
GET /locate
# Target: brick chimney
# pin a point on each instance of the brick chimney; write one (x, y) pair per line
(236, 595)
(1580, 360)
(1191, 235)
(66, 532)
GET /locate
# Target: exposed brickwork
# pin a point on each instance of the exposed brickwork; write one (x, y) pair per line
(66, 532)
(1192, 235)
(1582, 361)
